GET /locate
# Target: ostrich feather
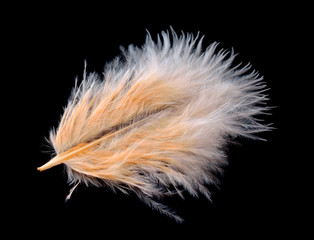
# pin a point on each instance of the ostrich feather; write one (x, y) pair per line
(158, 120)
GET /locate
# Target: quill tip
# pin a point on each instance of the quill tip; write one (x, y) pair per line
(40, 169)
(53, 162)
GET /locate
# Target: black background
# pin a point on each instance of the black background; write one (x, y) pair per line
(47, 49)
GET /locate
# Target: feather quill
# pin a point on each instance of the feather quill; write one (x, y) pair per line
(158, 119)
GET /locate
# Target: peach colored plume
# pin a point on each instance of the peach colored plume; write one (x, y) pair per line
(157, 122)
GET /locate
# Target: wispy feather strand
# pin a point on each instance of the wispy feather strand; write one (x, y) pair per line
(158, 119)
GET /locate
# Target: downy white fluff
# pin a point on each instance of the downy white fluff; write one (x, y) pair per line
(158, 119)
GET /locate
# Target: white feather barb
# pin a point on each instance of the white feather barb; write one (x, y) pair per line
(159, 119)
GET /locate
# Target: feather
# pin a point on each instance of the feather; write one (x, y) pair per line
(158, 121)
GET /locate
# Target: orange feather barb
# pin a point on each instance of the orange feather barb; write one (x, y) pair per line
(156, 123)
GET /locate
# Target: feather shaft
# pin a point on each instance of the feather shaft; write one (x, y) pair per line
(72, 152)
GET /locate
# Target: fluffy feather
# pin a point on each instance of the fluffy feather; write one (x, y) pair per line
(158, 119)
